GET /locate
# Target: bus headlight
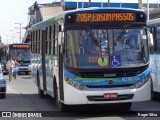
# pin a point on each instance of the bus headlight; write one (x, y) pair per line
(74, 84)
(70, 82)
(141, 83)
(29, 67)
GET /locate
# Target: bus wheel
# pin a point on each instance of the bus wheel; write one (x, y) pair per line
(61, 106)
(126, 106)
(154, 95)
(40, 92)
(3, 95)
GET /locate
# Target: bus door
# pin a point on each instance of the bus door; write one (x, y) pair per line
(60, 63)
(44, 38)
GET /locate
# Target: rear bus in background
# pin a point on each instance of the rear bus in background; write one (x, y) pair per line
(21, 52)
(92, 56)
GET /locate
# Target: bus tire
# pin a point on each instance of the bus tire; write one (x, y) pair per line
(61, 106)
(126, 106)
(3, 95)
(153, 93)
(40, 92)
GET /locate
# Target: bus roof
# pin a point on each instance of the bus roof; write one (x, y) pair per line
(154, 21)
(105, 8)
(46, 22)
(54, 18)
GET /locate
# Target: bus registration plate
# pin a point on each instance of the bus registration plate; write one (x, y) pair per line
(110, 95)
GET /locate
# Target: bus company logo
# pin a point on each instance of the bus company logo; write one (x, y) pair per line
(110, 82)
(6, 114)
(21, 114)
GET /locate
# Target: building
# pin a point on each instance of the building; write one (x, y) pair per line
(40, 12)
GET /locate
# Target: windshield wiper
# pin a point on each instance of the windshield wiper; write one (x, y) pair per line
(92, 36)
(121, 35)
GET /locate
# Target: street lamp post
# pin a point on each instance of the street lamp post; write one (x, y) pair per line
(13, 35)
(20, 28)
(7, 39)
(147, 10)
(108, 3)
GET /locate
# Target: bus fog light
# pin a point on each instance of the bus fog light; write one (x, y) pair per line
(70, 82)
(138, 85)
(81, 87)
(75, 84)
(143, 81)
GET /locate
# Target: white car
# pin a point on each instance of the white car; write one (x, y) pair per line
(2, 84)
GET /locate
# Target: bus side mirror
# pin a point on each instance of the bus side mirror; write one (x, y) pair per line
(60, 33)
(60, 38)
(61, 41)
(150, 38)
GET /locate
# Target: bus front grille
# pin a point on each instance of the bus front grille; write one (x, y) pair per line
(110, 86)
(107, 74)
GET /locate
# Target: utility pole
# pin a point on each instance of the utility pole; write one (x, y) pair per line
(20, 30)
(140, 5)
(13, 35)
(89, 3)
(147, 10)
(108, 3)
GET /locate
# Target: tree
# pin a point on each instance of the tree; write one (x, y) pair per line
(0, 39)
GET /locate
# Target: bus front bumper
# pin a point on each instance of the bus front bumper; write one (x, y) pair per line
(24, 69)
(74, 96)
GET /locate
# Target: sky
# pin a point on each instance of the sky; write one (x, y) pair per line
(15, 11)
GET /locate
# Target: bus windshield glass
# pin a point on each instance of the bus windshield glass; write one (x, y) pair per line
(106, 48)
(20, 54)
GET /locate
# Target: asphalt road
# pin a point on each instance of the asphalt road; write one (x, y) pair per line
(22, 96)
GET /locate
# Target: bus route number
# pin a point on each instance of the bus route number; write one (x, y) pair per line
(105, 17)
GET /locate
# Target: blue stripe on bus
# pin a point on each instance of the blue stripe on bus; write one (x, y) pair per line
(105, 81)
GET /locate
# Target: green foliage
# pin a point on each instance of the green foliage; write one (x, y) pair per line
(0, 39)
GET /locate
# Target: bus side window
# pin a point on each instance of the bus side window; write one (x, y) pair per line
(158, 40)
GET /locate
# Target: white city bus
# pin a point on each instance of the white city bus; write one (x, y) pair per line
(21, 52)
(153, 27)
(92, 56)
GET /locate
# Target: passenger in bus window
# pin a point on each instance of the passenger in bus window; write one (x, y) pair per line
(132, 42)
(121, 45)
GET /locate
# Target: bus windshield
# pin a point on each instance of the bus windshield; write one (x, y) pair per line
(106, 48)
(20, 54)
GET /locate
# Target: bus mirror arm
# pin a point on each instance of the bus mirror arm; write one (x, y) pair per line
(61, 49)
(61, 38)
(150, 38)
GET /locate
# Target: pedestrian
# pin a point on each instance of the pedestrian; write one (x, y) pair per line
(10, 64)
(15, 69)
